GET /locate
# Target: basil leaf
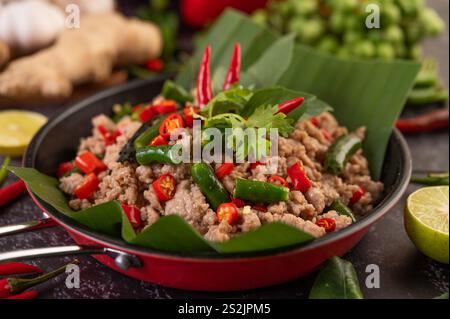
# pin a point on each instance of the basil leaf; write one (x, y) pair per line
(336, 280)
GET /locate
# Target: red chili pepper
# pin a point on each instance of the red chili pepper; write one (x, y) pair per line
(315, 121)
(430, 121)
(15, 268)
(275, 179)
(326, 134)
(87, 187)
(109, 137)
(328, 223)
(87, 162)
(170, 124)
(224, 169)
(290, 105)
(134, 215)
(260, 208)
(11, 192)
(204, 83)
(65, 167)
(255, 165)
(165, 107)
(164, 187)
(357, 195)
(31, 294)
(234, 70)
(299, 179)
(155, 65)
(188, 113)
(158, 141)
(228, 212)
(13, 286)
(238, 202)
(147, 113)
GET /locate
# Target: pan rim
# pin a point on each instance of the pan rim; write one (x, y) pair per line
(384, 206)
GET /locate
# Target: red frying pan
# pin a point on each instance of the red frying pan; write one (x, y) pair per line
(58, 139)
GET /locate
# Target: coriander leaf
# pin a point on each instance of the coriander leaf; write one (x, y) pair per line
(266, 116)
(232, 100)
(225, 120)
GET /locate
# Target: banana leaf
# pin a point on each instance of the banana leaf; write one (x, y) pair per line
(169, 233)
(362, 93)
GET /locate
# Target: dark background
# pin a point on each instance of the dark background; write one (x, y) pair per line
(404, 271)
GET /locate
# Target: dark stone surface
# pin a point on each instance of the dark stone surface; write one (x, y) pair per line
(405, 272)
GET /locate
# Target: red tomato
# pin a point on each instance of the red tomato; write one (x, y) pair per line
(188, 113)
(164, 107)
(224, 169)
(260, 208)
(170, 124)
(64, 168)
(164, 187)
(154, 65)
(328, 223)
(87, 187)
(147, 113)
(87, 162)
(134, 215)
(357, 195)
(238, 202)
(299, 179)
(158, 141)
(278, 180)
(228, 212)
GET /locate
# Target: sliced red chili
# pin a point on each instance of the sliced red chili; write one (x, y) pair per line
(164, 187)
(109, 137)
(188, 113)
(326, 134)
(228, 212)
(278, 180)
(133, 214)
(260, 208)
(87, 162)
(65, 167)
(255, 165)
(165, 107)
(147, 113)
(357, 195)
(329, 224)
(155, 65)
(87, 188)
(238, 202)
(299, 179)
(315, 121)
(170, 124)
(158, 141)
(224, 169)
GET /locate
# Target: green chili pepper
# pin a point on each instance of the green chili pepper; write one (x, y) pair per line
(340, 152)
(172, 91)
(432, 179)
(260, 192)
(209, 184)
(149, 134)
(164, 154)
(4, 170)
(342, 209)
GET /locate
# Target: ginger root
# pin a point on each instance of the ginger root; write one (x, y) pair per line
(79, 56)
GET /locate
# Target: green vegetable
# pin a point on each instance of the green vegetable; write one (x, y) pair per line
(149, 134)
(260, 192)
(4, 170)
(172, 91)
(205, 178)
(432, 179)
(164, 154)
(336, 280)
(428, 75)
(121, 111)
(419, 96)
(340, 152)
(72, 171)
(342, 209)
(443, 296)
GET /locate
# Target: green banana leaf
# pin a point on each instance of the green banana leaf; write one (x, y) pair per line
(169, 233)
(362, 93)
(336, 280)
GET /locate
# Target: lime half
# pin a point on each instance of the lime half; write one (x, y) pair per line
(17, 128)
(426, 221)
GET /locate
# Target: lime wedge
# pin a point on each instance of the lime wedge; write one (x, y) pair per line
(426, 221)
(17, 128)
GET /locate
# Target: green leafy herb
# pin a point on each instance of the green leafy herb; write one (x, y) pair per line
(267, 117)
(232, 100)
(336, 280)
